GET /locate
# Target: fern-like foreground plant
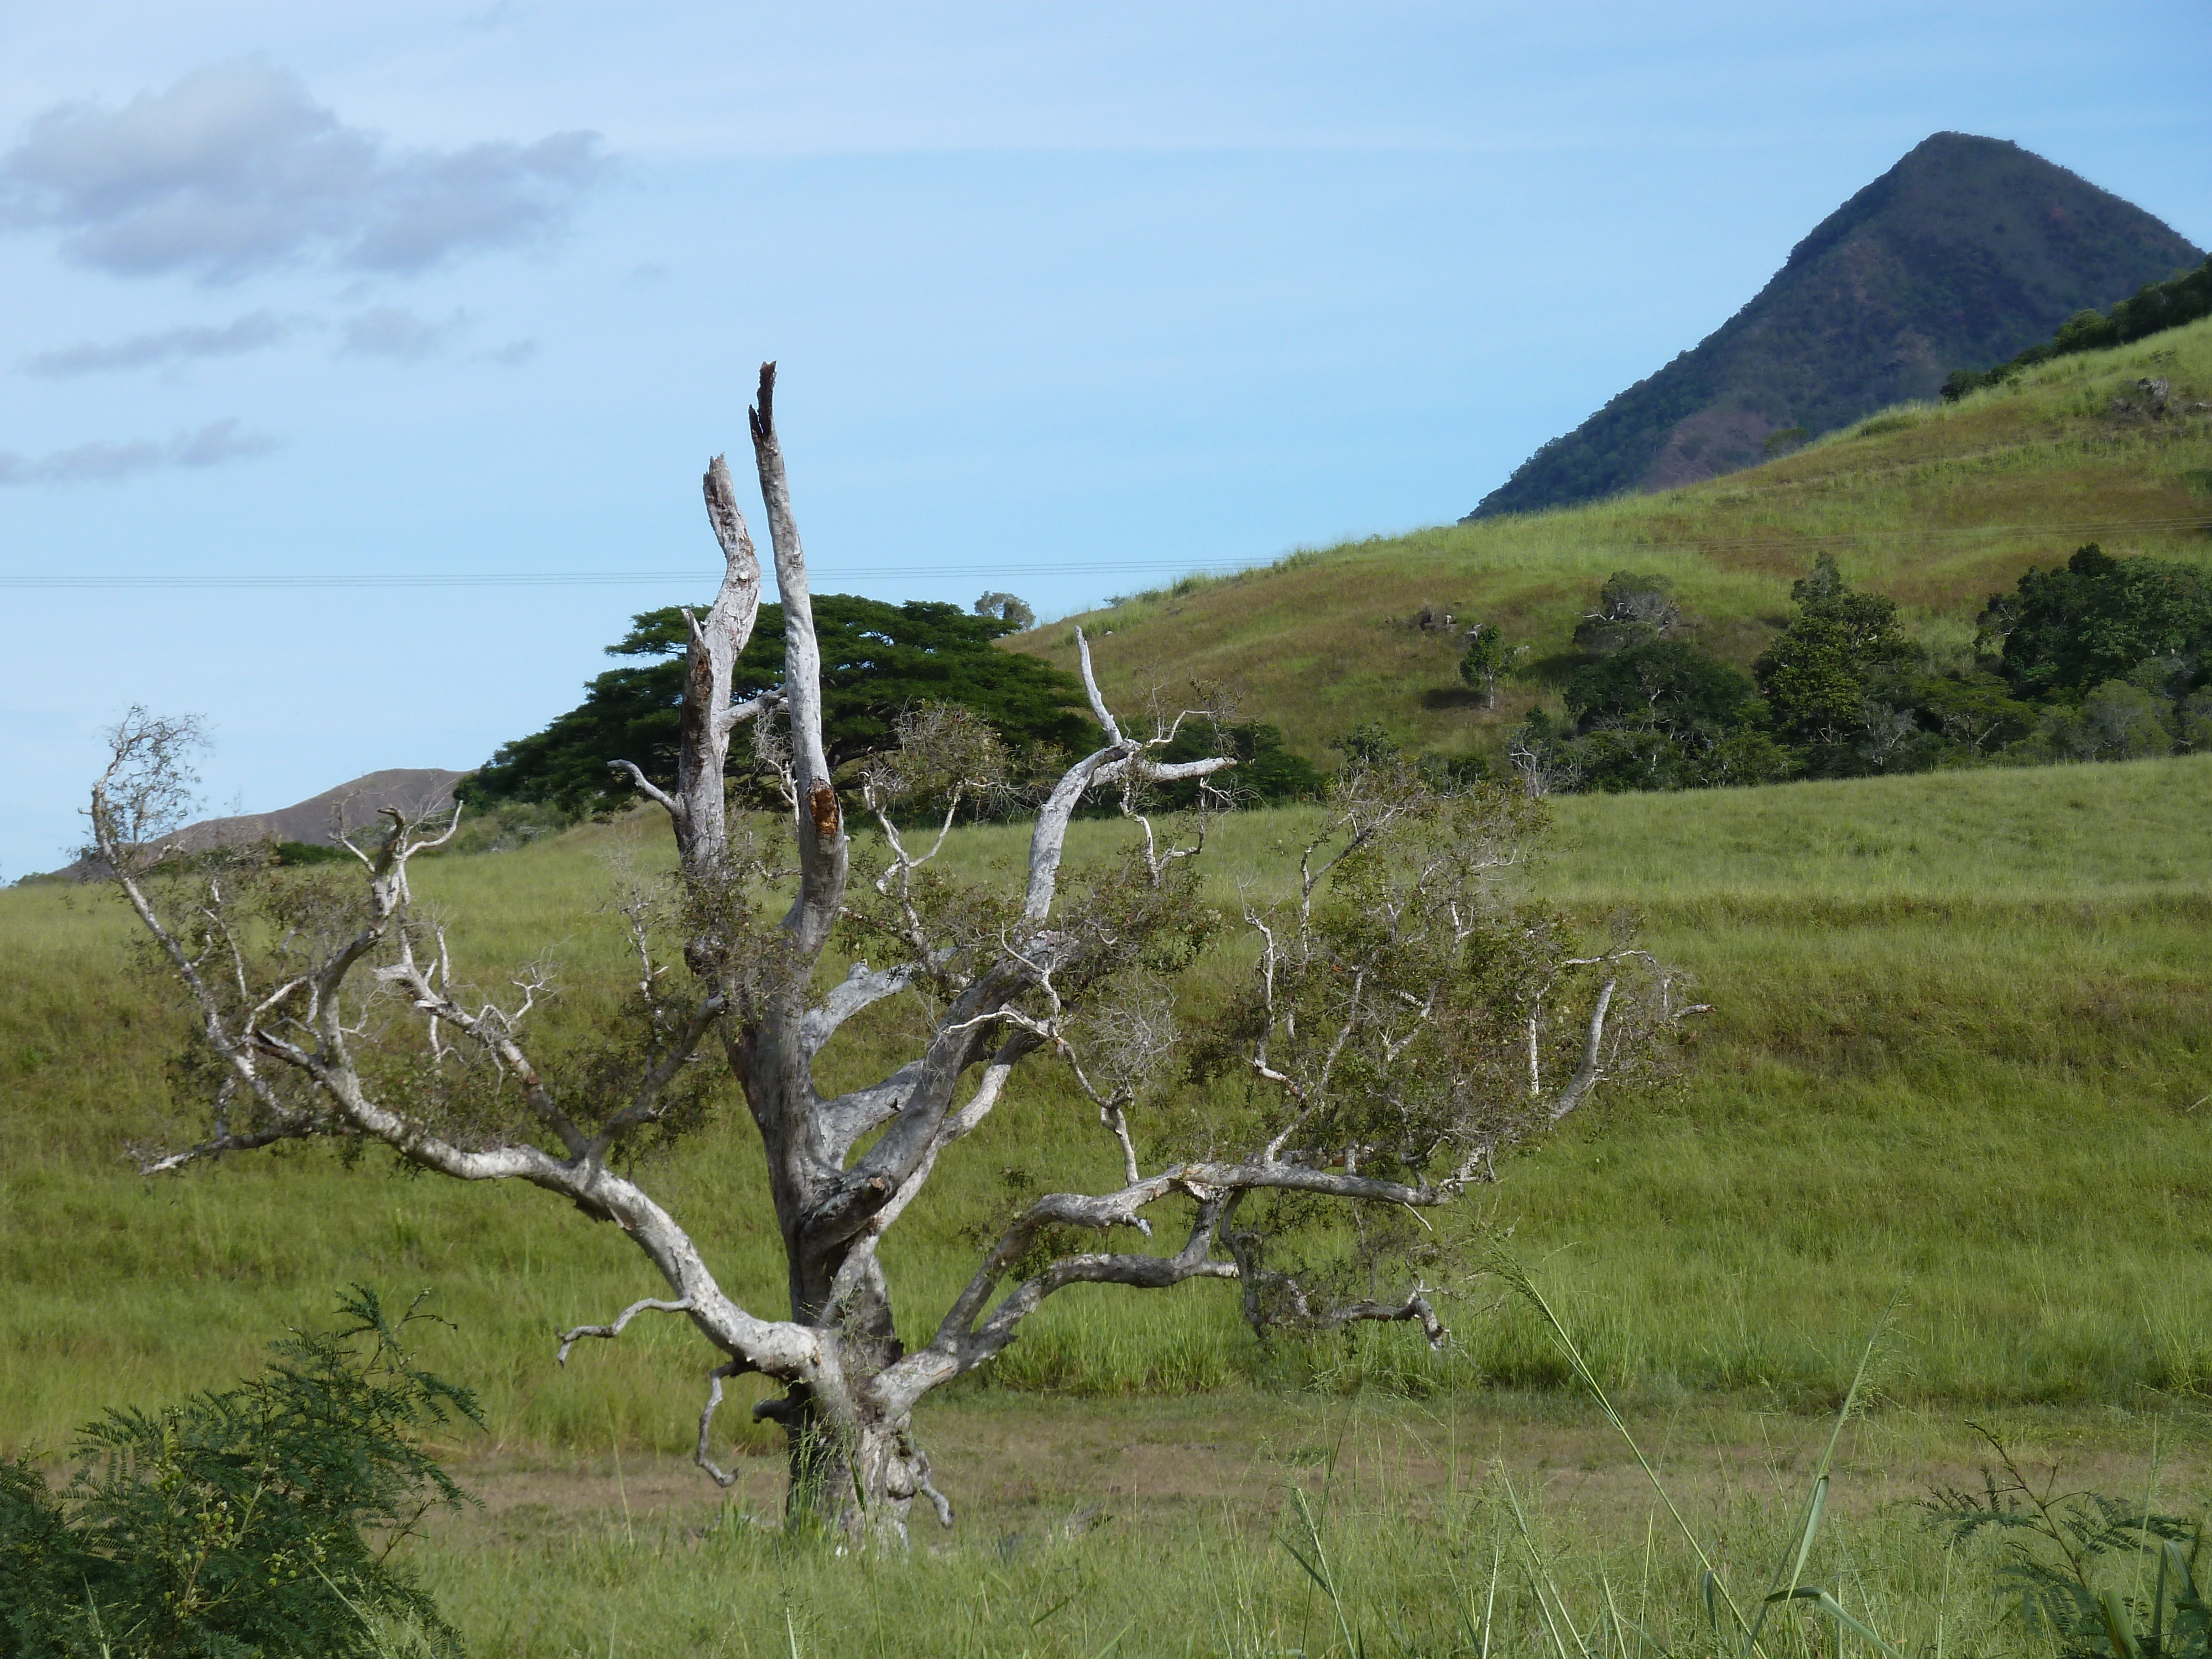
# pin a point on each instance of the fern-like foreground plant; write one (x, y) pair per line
(258, 1519)
(2097, 1577)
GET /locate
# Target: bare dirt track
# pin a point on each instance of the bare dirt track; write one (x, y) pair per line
(1020, 1468)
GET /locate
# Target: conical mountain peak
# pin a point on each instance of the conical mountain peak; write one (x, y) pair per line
(1963, 254)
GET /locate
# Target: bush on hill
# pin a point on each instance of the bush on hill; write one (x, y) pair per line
(2103, 659)
(2064, 631)
(1830, 670)
(1633, 608)
(1664, 715)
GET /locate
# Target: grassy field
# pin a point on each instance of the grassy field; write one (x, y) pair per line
(1168, 1527)
(1938, 505)
(1960, 1035)
(1960, 1042)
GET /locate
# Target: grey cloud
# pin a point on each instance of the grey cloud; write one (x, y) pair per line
(219, 441)
(103, 461)
(248, 333)
(512, 353)
(389, 331)
(236, 169)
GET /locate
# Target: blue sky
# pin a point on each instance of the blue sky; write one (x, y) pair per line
(1067, 299)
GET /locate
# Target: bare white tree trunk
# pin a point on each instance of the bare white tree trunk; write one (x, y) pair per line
(285, 1026)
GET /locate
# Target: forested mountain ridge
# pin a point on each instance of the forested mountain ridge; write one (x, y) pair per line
(1967, 252)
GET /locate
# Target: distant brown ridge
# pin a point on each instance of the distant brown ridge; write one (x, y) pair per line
(417, 791)
(319, 819)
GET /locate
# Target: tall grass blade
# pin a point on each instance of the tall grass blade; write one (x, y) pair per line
(1816, 1502)
(1539, 1577)
(1613, 1611)
(1834, 1610)
(1507, 1268)
(2158, 1603)
(2118, 1627)
(1320, 1571)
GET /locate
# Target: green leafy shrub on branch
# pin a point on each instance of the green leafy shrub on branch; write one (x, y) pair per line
(255, 1520)
(2093, 1576)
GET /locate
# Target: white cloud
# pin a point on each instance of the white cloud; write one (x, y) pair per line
(103, 461)
(251, 332)
(391, 332)
(236, 169)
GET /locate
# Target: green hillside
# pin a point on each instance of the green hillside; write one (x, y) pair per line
(1967, 250)
(1937, 505)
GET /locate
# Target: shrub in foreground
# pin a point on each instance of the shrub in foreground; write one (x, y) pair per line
(255, 1519)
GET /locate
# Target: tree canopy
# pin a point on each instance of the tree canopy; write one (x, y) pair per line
(2063, 632)
(878, 659)
(1662, 715)
(1819, 674)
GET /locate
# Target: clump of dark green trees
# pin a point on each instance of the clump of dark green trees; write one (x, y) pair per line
(878, 661)
(2102, 658)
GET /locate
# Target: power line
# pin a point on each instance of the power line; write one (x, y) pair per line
(696, 577)
(1720, 544)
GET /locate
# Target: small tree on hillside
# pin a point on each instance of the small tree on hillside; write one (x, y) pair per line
(1487, 656)
(1007, 608)
(1825, 675)
(1404, 1023)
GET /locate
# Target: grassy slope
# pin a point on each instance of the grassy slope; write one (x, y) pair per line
(1937, 506)
(1961, 1028)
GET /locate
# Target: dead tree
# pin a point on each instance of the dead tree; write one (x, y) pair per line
(326, 1004)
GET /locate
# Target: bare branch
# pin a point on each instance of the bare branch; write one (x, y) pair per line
(645, 787)
(168, 1163)
(861, 987)
(822, 843)
(1098, 708)
(609, 1332)
(1586, 1078)
(1293, 1308)
(702, 1454)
